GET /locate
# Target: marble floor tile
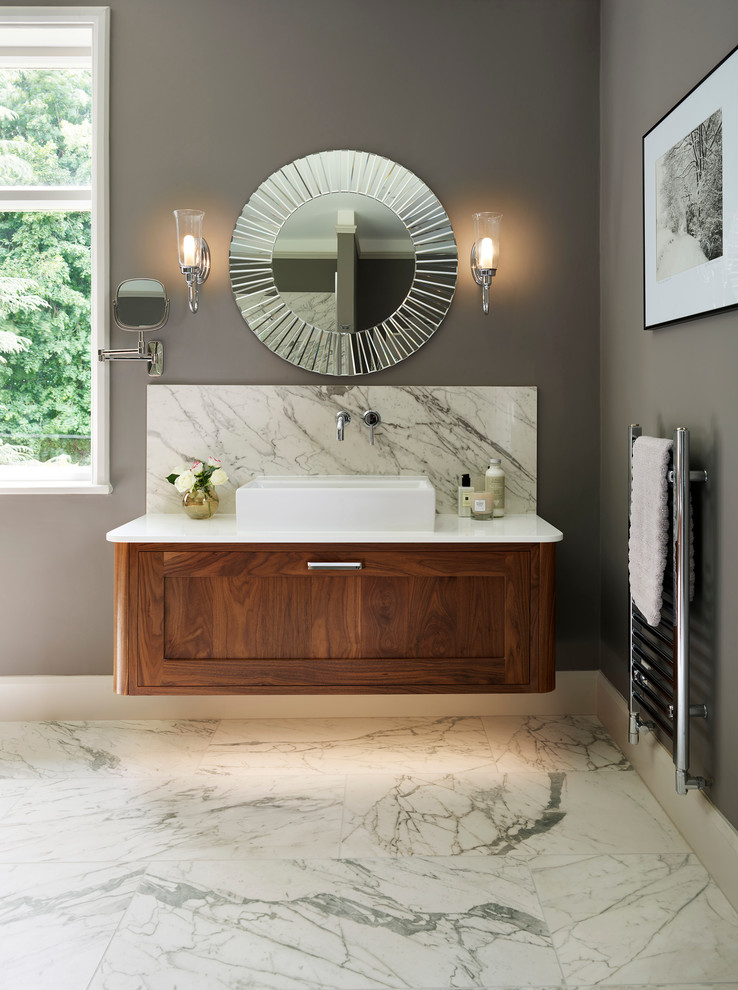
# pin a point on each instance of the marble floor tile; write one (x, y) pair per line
(349, 745)
(625, 920)
(552, 742)
(57, 920)
(78, 749)
(117, 819)
(491, 853)
(489, 813)
(332, 925)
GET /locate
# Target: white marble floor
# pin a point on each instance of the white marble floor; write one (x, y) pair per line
(345, 854)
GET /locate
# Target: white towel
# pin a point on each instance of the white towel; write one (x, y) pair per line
(649, 525)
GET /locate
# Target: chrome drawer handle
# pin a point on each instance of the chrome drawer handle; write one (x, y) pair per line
(319, 565)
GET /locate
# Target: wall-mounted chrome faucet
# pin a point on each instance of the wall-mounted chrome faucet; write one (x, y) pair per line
(371, 418)
(342, 420)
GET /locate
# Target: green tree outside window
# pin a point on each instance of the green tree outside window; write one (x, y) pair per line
(45, 276)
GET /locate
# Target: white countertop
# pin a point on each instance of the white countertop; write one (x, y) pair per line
(179, 528)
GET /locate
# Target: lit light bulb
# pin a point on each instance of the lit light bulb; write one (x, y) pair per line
(486, 254)
(188, 251)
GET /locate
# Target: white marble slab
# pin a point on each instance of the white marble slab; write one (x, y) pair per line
(492, 814)
(278, 429)
(115, 819)
(348, 745)
(297, 925)
(118, 748)
(10, 792)
(651, 920)
(552, 742)
(58, 919)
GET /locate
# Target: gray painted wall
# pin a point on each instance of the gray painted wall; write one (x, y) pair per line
(494, 104)
(652, 55)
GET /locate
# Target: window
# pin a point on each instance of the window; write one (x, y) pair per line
(53, 249)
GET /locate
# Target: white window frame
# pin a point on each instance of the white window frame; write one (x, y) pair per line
(17, 479)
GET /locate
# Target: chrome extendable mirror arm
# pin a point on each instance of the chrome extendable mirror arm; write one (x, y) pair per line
(153, 352)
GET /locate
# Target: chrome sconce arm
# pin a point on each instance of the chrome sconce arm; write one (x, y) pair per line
(483, 277)
(194, 253)
(195, 277)
(485, 252)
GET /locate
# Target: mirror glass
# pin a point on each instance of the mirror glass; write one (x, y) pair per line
(141, 304)
(343, 262)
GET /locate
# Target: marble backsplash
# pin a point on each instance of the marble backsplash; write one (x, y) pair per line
(291, 429)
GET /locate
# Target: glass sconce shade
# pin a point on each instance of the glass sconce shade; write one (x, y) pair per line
(189, 237)
(486, 250)
(194, 253)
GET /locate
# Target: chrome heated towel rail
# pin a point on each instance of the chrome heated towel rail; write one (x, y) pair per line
(659, 656)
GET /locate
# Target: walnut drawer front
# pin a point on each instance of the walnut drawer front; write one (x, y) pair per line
(261, 620)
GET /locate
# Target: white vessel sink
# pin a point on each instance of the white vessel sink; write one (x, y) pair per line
(336, 503)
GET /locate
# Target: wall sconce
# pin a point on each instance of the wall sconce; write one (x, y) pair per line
(485, 252)
(194, 253)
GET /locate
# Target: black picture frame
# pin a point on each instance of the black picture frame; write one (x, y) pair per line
(690, 203)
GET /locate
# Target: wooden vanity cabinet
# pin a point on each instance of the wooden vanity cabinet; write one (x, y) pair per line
(254, 619)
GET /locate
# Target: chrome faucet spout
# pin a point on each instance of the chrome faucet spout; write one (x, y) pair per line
(342, 420)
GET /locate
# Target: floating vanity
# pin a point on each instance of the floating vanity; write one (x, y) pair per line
(385, 590)
(202, 607)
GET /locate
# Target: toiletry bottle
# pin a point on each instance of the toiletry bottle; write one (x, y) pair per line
(494, 481)
(465, 490)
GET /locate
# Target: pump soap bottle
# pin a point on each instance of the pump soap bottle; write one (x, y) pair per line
(494, 481)
(465, 491)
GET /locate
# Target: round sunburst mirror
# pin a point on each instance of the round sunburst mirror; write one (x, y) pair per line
(343, 263)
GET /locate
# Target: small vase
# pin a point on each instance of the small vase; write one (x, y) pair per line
(202, 503)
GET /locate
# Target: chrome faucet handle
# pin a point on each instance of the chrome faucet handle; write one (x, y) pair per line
(342, 419)
(371, 418)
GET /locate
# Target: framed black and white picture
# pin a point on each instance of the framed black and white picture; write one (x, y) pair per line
(690, 203)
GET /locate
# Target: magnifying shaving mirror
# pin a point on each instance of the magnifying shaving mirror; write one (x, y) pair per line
(140, 306)
(343, 263)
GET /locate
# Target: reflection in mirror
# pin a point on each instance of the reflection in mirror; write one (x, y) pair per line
(141, 305)
(343, 263)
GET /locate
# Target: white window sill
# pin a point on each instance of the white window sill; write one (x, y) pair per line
(53, 486)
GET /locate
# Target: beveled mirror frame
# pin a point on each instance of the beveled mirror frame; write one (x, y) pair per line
(331, 352)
